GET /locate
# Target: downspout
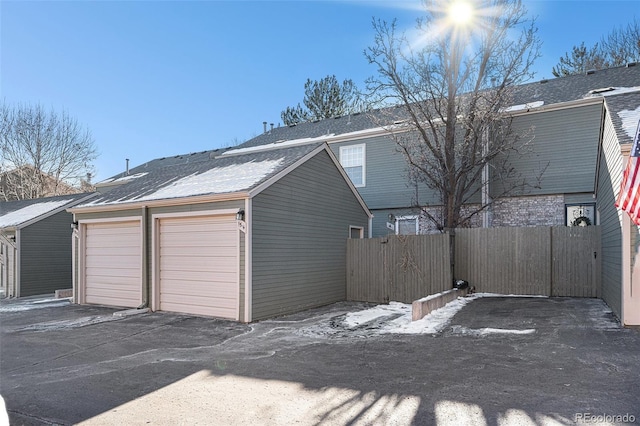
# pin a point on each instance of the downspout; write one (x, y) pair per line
(17, 264)
(74, 260)
(145, 260)
(486, 197)
(248, 249)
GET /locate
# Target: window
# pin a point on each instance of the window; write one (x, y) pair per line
(356, 232)
(352, 159)
(580, 214)
(407, 225)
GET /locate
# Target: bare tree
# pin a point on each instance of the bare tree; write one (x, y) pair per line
(619, 47)
(43, 153)
(453, 89)
(325, 98)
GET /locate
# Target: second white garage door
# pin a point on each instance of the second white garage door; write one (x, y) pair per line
(113, 264)
(198, 266)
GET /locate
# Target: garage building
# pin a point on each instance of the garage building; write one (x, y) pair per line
(242, 234)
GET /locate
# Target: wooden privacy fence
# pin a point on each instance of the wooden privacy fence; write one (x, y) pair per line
(397, 268)
(550, 261)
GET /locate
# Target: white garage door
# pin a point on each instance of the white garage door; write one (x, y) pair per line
(198, 266)
(113, 264)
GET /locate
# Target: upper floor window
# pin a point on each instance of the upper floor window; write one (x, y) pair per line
(352, 158)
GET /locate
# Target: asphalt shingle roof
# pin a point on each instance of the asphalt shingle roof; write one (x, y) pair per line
(624, 110)
(551, 91)
(204, 173)
(15, 213)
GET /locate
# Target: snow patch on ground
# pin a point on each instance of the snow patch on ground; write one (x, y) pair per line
(27, 305)
(73, 323)
(483, 332)
(395, 318)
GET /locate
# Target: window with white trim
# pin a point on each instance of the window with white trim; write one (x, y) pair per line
(407, 225)
(352, 159)
(356, 232)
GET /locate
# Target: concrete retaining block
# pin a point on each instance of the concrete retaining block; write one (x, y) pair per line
(423, 307)
(63, 294)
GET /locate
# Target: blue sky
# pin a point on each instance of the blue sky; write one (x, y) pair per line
(155, 78)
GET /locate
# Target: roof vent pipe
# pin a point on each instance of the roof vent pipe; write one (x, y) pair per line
(264, 124)
(271, 127)
(127, 172)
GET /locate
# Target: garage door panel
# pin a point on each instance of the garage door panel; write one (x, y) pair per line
(198, 277)
(122, 251)
(199, 263)
(210, 311)
(178, 227)
(195, 251)
(198, 266)
(197, 288)
(113, 264)
(109, 261)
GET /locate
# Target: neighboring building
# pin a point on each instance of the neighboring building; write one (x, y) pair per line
(620, 238)
(566, 115)
(35, 245)
(27, 182)
(237, 234)
(578, 132)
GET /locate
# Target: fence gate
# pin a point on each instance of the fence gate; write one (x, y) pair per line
(397, 268)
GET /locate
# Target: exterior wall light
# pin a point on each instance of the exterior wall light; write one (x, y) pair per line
(240, 215)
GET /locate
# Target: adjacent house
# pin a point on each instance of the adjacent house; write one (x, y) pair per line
(241, 234)
(580, 127)
(35, 245)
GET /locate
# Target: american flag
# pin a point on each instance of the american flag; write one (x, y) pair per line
(629, 198)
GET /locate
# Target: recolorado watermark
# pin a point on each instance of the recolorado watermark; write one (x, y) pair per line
(604, 418)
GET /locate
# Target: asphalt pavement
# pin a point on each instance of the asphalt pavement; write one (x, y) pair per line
(499, 361)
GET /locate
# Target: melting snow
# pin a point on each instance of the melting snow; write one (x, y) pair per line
(277, 145)
(126, 178)
(235, 177)
(630, 121)
(612, 91)
(523, 107)
(30, 212)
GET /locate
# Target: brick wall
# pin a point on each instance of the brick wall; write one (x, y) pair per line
(544, 210)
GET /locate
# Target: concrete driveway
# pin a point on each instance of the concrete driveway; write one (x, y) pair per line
(499, 361)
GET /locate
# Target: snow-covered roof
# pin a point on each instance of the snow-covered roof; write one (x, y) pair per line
(16, 213)
(624, 110)
(207, 173)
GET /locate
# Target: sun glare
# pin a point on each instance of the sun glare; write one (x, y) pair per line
(460, 12)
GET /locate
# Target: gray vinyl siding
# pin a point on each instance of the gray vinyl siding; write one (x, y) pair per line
(611, 167)
(300, 226)
(45, 255)
(565, 140)
(386, 182)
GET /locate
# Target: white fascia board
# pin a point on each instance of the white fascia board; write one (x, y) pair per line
(168, 202)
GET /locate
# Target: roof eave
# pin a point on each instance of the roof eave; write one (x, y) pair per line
(167, 202)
